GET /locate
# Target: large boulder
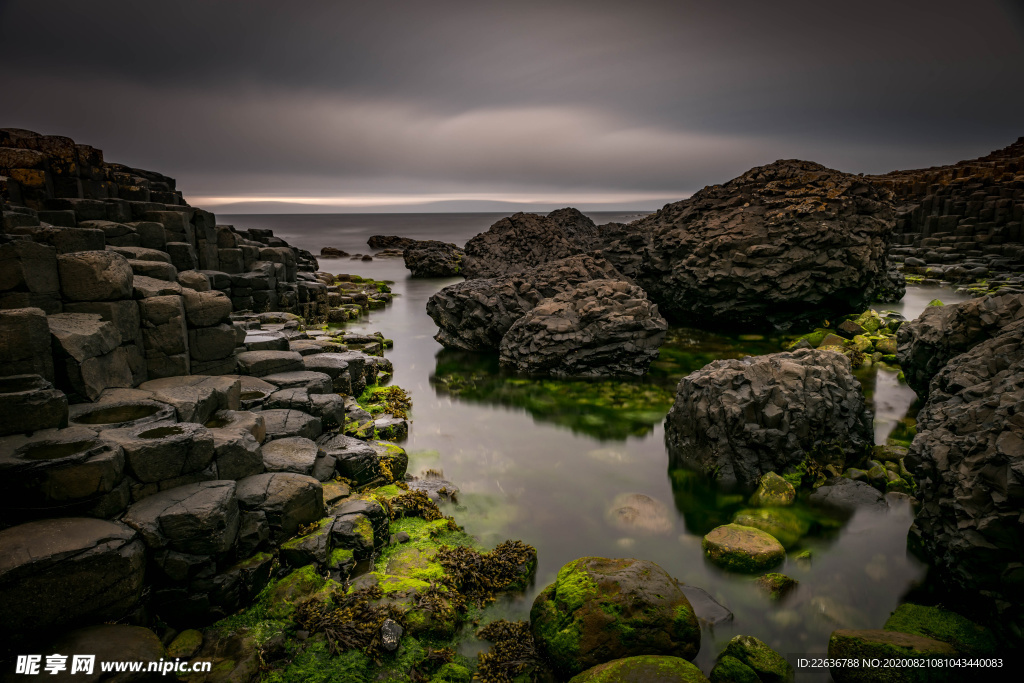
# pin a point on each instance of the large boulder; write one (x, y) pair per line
(162, 451)
(737, 419)
(940, 333)
(968, 459)
(57, 573)
(432, 258)
(517, 243)
(475, 315)
(598, 328)
(598, 610)
(786, 243)
(87, 353)
(108, 642)
(644, 668)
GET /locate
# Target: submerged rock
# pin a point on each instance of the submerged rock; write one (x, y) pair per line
(599, 610)
(737, 419)
(742, 548)
(784, 243)
(844, 496)
(598, 328)
(773, 490)
(637, 513)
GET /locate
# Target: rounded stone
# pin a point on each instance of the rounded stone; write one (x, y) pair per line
(637, 513)
(600, 609)
(773, 490)
(643, 669)
(785, 525)
(742, 548)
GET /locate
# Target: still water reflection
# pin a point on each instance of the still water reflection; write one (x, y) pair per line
(544, 461)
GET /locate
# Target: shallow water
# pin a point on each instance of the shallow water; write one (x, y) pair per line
(543, 461)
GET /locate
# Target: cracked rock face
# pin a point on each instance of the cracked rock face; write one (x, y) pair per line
(520, 242)
(968, 459)
(737, 419)
(598, 328)
(475, 314)
(783, 243)
(940, 333)
(432, 258)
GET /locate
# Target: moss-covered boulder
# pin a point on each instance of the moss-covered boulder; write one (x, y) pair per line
(742, 548)
(292, 590)
(185, 644)
(880, 644)
(786, 526)
(776, 585)
(773, 491)
(599, 610)
(310, 548)
(963, 634)
(643, 669)
(748, 660)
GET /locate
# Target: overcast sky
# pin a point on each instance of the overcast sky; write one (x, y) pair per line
(385, 104)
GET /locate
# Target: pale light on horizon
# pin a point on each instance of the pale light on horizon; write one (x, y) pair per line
(413, 199)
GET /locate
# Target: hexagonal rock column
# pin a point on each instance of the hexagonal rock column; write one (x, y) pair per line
(28, 276)
(164, 335)
(237, 453)
(57, 573)
(737, 419)
(313, 382)
(582, 619)
(88, 355)
(263, 363)
(197, 397)
(164, 451)
(29, 403)
(94, 276)
(282, 423)
(291, 454)
(25, 342)
(360, 526)
(330, 408)
(249, 421)
(288, 500)
(120, 414)
(196, 519)
(61, 471)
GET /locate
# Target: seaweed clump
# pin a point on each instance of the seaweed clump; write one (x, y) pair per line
(478, 576)
(416, 504)
(513, 653)
(391, 399)
(352, 623)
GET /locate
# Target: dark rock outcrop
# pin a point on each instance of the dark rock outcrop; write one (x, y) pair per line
(389, 242)
(968, 459)
(475, 314)
(598, 328)
(927, 343)
(431, 258)
(737, 419)
(784, 243)
(517, 243)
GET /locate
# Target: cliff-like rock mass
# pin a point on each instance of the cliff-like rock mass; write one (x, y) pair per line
(600, 328)
(737, 419)
(526, 240)
(783, 243)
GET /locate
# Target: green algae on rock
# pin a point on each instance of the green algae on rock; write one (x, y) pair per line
(888, 645)
(643, 669)
(742, 548)
(776, 585)
(787, 526)
(601, 609)
(963, 634)
(747, 659)
(773, 491)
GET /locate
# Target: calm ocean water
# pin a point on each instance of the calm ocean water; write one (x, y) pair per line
(544, 461)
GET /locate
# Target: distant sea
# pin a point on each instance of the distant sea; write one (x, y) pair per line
(349, 231)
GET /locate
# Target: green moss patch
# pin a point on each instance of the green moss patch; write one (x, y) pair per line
(966, 636)
(742, 548)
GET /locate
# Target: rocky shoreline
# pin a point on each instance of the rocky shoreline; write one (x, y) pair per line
(201, 463)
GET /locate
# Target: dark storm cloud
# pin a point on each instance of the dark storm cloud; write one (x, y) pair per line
(511, 99)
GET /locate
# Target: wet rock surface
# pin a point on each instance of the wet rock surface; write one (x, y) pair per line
(432, 258)
(737, 419)
(598, 328)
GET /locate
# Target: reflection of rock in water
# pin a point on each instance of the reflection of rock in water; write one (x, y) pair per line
(638, 513)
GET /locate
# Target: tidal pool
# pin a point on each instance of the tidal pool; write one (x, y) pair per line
(544, 461)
